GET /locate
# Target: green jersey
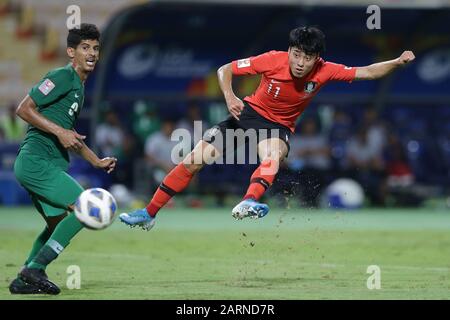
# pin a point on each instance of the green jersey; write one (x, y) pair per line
(59, 97)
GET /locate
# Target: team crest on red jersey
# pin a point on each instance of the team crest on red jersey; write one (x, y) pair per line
(310, 86)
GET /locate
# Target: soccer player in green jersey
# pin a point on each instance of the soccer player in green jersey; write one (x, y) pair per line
(51, 108)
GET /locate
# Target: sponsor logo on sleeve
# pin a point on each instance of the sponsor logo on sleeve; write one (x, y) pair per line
(243, 63)
(46, 87)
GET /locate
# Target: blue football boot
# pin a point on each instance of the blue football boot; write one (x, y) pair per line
(138, 218)
(250, 208)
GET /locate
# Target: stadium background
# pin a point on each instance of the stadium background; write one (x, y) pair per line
(158, 64)
(159, 60)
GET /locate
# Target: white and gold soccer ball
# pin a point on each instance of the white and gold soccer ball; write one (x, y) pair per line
(95, 208)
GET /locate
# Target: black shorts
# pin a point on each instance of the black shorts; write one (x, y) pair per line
(251, 124)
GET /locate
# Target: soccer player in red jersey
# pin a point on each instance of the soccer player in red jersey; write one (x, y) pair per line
(289, 80)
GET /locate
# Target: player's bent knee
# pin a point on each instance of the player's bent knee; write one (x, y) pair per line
(52, 222)
(270, 166)
(193, 168)
(203, 153)
(273, 148)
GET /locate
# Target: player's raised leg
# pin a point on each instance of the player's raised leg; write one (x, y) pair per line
(271, 152)
(175, 181)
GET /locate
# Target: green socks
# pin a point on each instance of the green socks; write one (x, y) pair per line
(43, 258)
(38, 244)
(60, 238)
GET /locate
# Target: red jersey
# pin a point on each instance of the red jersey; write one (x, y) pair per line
(281, 97)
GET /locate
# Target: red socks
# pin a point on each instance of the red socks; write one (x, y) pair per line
(262, 179)
(176, 181)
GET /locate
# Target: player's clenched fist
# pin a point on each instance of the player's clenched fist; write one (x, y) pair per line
(406, 57)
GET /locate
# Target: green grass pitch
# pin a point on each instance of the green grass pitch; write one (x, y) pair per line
(206, 254)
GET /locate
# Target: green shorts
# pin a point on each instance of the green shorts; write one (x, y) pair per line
(51, 189)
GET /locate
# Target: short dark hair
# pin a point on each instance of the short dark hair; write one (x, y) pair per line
(310, 40)
(86, 31)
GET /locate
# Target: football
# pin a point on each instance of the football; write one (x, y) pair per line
(96, 208)
(344, 194)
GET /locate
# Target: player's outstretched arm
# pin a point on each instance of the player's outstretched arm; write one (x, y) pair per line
(107, 164)
(381, 69)
(234, 104)
(27, 111)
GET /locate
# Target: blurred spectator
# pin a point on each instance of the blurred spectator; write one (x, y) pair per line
(109, 135)
(194, 123)
(144, 120)
(376, 129)
(365, 164)
(113, 141)
(399, 172)
(14, 128)
(308, 166)
(444, 148)
(362, 154)
(2, 135)
(400, 177)
(311, 158)
(309, 148)
(159, 158)
(340, 132)
(158, 151)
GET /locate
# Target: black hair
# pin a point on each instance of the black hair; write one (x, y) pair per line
(86, 31)
(310, 40)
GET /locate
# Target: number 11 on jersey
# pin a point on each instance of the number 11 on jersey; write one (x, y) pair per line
(277, 90)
